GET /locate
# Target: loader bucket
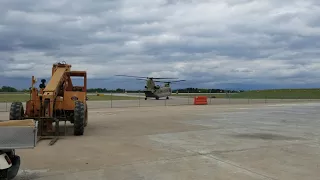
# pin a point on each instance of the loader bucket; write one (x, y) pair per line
(18, 134)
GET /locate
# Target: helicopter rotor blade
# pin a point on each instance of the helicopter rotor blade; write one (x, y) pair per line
(145, 77)
(164, 78)
(142, 79)
(177, 81)
(132, 76)
(170, 81)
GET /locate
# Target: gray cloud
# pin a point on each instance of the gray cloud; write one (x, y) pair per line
(207, 42)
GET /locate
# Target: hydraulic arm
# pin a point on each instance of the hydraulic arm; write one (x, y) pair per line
(54, 87)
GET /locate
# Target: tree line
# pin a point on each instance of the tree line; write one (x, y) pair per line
(119, 90)
(186, 90)
(201, 90)
(8, 89)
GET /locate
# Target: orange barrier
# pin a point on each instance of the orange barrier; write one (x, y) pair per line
(200, 100)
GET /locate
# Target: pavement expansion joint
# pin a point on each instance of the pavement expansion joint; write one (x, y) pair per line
(239, 166)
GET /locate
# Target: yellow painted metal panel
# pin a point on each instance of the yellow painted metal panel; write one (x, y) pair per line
(55, 79)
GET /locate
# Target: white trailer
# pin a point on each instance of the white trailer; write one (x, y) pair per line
(15, 134)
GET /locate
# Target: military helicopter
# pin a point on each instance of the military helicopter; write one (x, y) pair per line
(151, 90)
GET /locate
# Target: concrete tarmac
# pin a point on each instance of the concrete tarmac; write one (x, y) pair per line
(231, 141)
(173, 101)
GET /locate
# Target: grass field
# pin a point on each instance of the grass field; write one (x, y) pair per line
(25, 97)
(280, 94)
(264, 94)
(261, 94)
(217, 95)
(110, 97)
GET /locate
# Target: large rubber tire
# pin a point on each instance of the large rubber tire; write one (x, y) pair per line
(79, 118)
(86, 116)
(16, 111)
(4, 174)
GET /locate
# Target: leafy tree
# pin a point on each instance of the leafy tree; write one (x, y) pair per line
(8, 89)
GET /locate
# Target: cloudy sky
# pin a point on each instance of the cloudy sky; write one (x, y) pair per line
(210, 43)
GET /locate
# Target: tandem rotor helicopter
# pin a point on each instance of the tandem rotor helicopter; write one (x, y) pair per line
(151, 90)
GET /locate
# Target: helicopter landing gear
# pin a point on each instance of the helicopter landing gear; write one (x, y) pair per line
(145, 98)
(167, 97)
(157, 98)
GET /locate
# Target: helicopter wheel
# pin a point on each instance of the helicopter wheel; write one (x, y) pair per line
(167, 97)
(157, 98)
(145, 98)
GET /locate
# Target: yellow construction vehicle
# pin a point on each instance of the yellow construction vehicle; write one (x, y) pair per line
(57, 101)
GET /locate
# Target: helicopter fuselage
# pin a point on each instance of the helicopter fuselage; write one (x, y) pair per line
(155, 91)
(158, 93)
